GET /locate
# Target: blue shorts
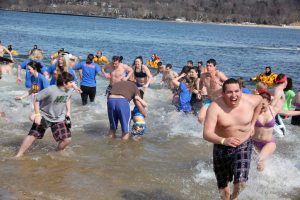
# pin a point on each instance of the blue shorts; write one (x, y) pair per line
(118, 109)
(206, 102)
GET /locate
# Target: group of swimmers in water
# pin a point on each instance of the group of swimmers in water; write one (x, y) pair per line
(203, 90)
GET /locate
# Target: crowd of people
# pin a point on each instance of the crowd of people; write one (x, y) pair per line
(202, 90)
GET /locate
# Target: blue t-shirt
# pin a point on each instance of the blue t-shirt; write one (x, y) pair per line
(51, 70)
(38, 83)
(28, 75)
(184, 98)
(246, 91)
(89, 72)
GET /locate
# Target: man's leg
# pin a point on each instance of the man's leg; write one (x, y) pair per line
(111, 133)
(237, 189)
(63, 143)
(27, 142)
(225, 193)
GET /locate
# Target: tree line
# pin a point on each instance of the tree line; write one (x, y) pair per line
(274, 12)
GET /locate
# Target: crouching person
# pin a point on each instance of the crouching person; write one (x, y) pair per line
(52, 107)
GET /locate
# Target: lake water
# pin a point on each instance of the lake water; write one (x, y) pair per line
(173, 161)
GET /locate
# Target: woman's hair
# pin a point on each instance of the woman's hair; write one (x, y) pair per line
(89, 59)
(266, 95)
(185, 70)
(260, 86)
(60, 69)
(35, 65)
(36, 54)
(138, 57)
(289, 85)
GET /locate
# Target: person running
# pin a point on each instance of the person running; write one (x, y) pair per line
(38, 81)
(211, 82)
(263, 139)
(117, 72)
(142, 74)
(51, 107)
(36, 55)
(88, 82)
(230, 133)
(118, 108)
(168, 76)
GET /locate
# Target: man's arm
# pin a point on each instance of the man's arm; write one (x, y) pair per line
(129, 70)
(141, 108)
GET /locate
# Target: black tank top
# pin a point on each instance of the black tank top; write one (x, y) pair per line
(140, 74)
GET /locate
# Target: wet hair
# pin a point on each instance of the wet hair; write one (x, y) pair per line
(89, 59)
(241, 82)
(64, 78)
(9, 47)
(289, 85)
(117, 58)
(35, 46)
(36, 54)
(212, 61)
(35, 65)
(266, 95)
(159, 64)
(268, 67)
(169, 66)
(230, 81)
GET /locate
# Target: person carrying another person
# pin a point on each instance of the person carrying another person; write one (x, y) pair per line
(118, 71)
(88, 82)
(100, 59)
(231, 132)
(211, 84)
(267, 77)
(118, 108)
(52, 107)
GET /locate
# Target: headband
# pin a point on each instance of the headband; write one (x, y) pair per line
(281, 80)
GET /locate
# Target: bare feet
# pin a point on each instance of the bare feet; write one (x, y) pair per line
(260, 165)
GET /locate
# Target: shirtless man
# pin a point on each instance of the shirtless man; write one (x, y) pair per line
(168, 76)
(117, 72)
(211, 82)
(229, 124)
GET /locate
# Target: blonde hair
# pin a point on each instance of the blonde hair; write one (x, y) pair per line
(36, 54)
(65, 66)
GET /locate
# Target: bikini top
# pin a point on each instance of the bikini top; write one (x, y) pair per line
(140, 74)
(269, 124)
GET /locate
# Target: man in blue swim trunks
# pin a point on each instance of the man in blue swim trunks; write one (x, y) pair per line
(229, 125)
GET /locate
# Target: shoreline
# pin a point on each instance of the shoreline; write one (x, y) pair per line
(244, 24)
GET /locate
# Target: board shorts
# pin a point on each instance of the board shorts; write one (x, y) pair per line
(206, 102)
(232, 162)
(59, 130)
(118, 109)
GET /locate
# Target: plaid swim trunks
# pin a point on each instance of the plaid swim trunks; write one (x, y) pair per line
(59, 130)
(232, 162)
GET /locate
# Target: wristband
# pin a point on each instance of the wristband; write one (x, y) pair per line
(37, 114)
(222, 141)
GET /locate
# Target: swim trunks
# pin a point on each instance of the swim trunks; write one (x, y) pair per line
(232, 162)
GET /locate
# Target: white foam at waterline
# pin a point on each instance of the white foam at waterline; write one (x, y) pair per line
(204, 173)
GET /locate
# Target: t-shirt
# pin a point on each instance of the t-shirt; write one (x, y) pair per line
(53, 103)
(289, 95)
(89, 72)
(51, 70)
(28, 75)
(184, 98)
(38, 83)
(127, 89)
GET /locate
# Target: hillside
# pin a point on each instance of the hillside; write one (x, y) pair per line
(273, 12)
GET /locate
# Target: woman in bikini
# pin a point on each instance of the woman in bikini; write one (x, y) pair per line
(142, 74)
(263, 139)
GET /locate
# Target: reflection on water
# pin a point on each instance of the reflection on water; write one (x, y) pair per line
(173, 161)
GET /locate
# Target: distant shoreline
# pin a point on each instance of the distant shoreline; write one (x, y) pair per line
(140, 19)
